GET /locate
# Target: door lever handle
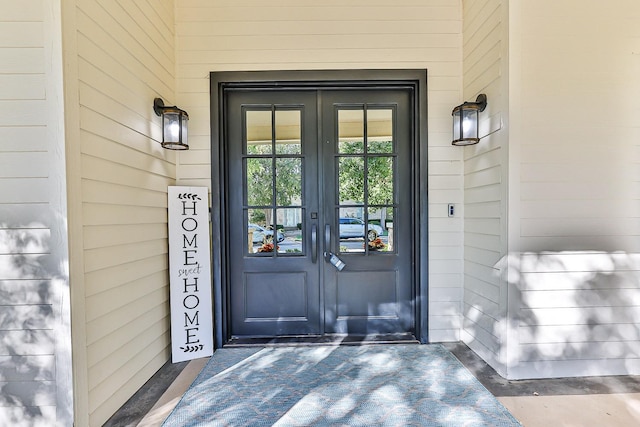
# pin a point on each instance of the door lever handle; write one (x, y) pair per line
(327, 241)
(314, 243)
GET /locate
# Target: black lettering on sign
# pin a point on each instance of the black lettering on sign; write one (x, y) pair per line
(191, 335)
(187, 285)
(191, 301)
(191, 320)
(185, 207)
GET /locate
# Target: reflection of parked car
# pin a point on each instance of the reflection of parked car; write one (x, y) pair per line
(260, 232)
(354, 227)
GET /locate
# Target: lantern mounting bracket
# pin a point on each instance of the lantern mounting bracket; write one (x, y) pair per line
(481, 100)
(158, 106)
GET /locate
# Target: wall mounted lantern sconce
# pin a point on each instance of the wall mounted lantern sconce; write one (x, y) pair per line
(174, 125)
(465, 121)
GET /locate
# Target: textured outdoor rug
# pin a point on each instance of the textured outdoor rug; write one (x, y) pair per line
(369, 385)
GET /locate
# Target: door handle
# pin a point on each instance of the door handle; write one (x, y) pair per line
(327, 241)
(314, 243)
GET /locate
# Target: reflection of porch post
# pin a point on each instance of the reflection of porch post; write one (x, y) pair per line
(250, 242)
(390, 235)
(383, 218)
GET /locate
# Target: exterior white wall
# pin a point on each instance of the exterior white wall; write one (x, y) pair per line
(574, 213)
(485, 166)
(35, 346)
(253, 35)
(119, 56)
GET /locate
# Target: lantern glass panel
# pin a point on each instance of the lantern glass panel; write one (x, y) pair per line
(456, 125)
(171, 127)
(184, 127)
(470, 123)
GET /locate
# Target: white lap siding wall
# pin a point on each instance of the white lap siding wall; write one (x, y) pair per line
(35, 345)
(119, 56)
(485, 48)
(551, 278)
(574, 208)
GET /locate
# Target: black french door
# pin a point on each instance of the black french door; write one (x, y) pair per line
(319, 207)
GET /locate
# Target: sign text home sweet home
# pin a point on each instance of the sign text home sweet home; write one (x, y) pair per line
(190, 273)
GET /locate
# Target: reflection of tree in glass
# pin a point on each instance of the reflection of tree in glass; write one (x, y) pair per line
(257, 216)
(259, 149)
(288, 180)
(259, 183)
(380, 180)
(380, 173)
(380, 146)
(260, 172)
(351, 177)
(289, 172)
(351, 147)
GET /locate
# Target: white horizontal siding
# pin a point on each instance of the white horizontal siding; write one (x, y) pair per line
(557, 334)
(21, 60)
(577, 306)
(33, 339)
(577, 172)
(125, 58)
(24, 165)
(580, 180)
(484, 308)
(17, 138)
(100, 280)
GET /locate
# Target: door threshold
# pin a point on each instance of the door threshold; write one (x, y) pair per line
(317, 340)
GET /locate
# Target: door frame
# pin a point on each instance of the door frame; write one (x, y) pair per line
(412, 79)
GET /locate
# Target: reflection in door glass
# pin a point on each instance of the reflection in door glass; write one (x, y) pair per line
(258, 132)
(366, 179)
(379, 131)
(260, 230)
(380, 179)
(288, 131)
(352, 229)
(375, 237)
(350, 131)
(273, 215)
(259, 181)
(290, 231)
(351, 180)
(381, 220)
(288, 181)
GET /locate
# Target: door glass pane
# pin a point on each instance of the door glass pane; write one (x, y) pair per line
(380, 131)
(259, 181)
(258, 132)
(288, 131)
(351, 229)
(351, 180)
(290, 231)
(350, 131)
(366, 179)
(380, 179)
(288, 181)
(259, 229)
(380, 235)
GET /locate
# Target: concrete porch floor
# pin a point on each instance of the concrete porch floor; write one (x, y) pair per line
(560, 402)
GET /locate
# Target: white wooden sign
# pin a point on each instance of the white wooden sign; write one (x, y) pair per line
(190, 273)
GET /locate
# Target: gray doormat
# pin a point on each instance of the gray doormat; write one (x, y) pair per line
(369, 385)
